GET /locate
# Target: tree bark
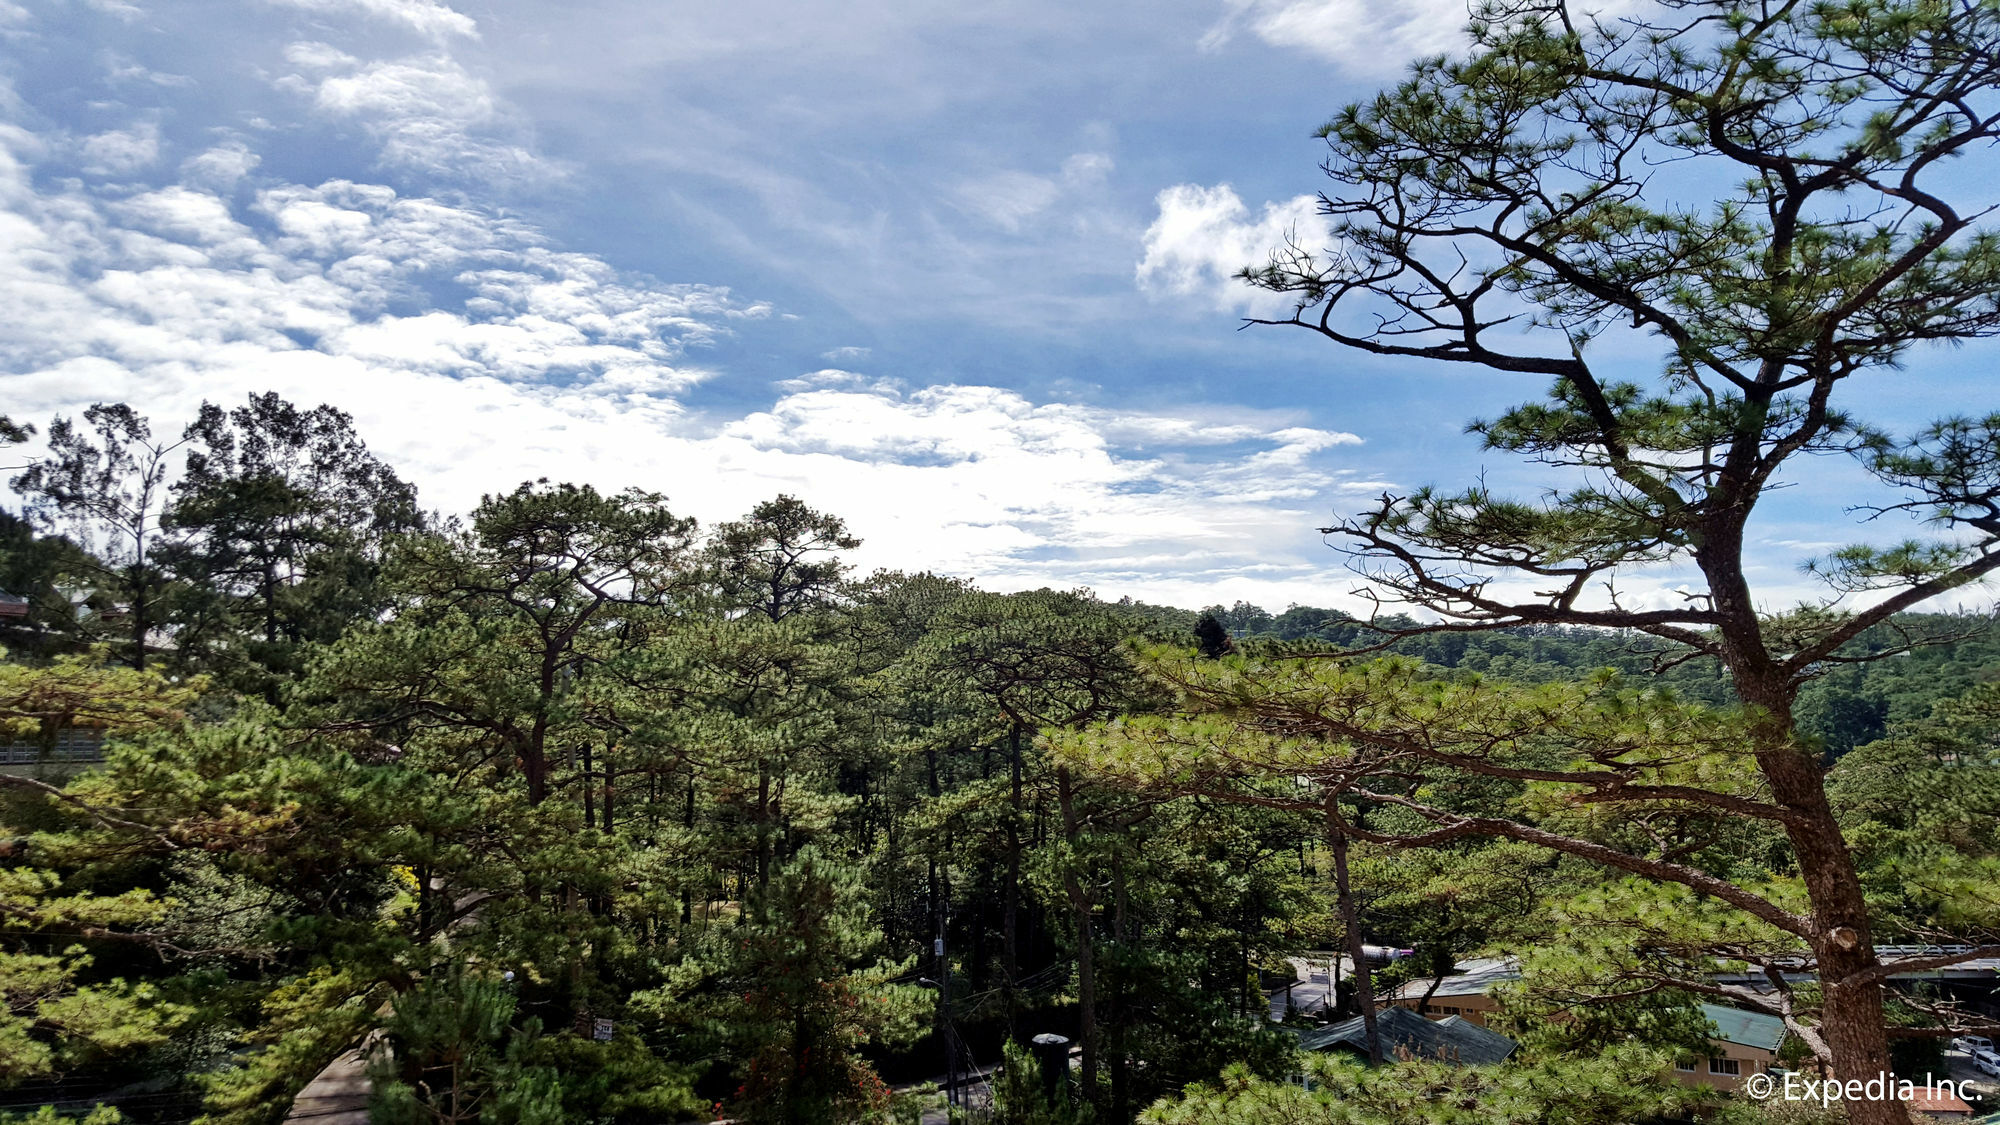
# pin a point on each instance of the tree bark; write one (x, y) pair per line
(1350, 919)
(1121, 1066)
(1086, 968)
(1010, 922)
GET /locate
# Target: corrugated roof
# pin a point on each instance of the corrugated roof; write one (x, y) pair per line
(1403, 1031)
(1749, 1029)
(1472, 977)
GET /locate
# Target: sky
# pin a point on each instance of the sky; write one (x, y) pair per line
(959, 273)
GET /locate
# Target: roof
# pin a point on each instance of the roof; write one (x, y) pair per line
(1472, 977)
(1453, 1040)
(1931, 1099)
(1748, 1029)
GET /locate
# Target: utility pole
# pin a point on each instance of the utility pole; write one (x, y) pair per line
(946, 1034)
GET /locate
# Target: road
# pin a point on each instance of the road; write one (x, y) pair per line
(1314, 990)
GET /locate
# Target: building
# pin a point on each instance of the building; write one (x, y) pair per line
(1744, 1043)
(1938, 1104)
(1464, 994)
(69, 751)
(1408, 1036)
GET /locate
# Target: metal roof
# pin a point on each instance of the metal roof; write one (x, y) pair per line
(1748, 1029)
(1472, 977)
(1453, 1040)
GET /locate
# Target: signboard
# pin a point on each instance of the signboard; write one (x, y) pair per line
(600, 1030)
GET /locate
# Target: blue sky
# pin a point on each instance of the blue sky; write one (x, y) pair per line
(955, 271)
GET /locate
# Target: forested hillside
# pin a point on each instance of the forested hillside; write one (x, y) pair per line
(590, 813)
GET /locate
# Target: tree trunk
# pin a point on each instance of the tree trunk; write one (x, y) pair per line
(763, 824)
(1120, 1064)
(1010, 919)
(1086, 968)
(140, 618)
(1851, 1017)
(1350, 918)
(1851, 1013)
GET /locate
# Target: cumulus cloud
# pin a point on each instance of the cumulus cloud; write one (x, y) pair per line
(1203, 236)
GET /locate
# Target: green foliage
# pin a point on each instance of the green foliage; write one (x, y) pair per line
(450, 1054)
(1021, 1096)
(1625, 1084)
(709, 790)
(812, 998)
(276, 535)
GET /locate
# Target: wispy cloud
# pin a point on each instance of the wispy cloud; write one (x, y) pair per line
(1367, 39)
(432, 20)
(427, 113)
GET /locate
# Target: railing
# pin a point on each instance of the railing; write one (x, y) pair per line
(70, 747)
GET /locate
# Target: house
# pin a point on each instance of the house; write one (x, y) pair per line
(66, 752)
(1744, 1043)
(1940, 1104)
(1464, 994)
(1407, 1035)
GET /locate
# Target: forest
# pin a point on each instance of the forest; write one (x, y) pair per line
(467, 787)
(568, 808)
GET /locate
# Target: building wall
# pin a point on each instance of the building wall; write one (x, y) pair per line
(1472, 1008)
(1749, 1061)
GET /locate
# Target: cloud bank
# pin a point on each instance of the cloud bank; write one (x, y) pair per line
(475, 351)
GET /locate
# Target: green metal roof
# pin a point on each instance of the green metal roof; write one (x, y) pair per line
(1748, 1029)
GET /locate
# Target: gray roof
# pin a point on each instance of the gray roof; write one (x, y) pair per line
(1748, 1029)
(1473, 977)
(1453, 1040)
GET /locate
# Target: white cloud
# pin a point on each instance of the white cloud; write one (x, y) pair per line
(1009, 199)
(426, 17)
(835, 378)
(546, 363)
(1203, 236)
(1365, 38)
(220, 167)
(1087, 169)
(316, 56)
(120, 152)
(427, 113)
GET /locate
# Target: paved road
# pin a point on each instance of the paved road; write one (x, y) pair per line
(338, 1096)
(1962, 1070)
(1313, 991)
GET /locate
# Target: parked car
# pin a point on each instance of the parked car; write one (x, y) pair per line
(1971, 1043)
(1987, 1062)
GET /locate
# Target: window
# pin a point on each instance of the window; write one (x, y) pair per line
(1724, 1066)
(1450, 1011)
(1685, 1066)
